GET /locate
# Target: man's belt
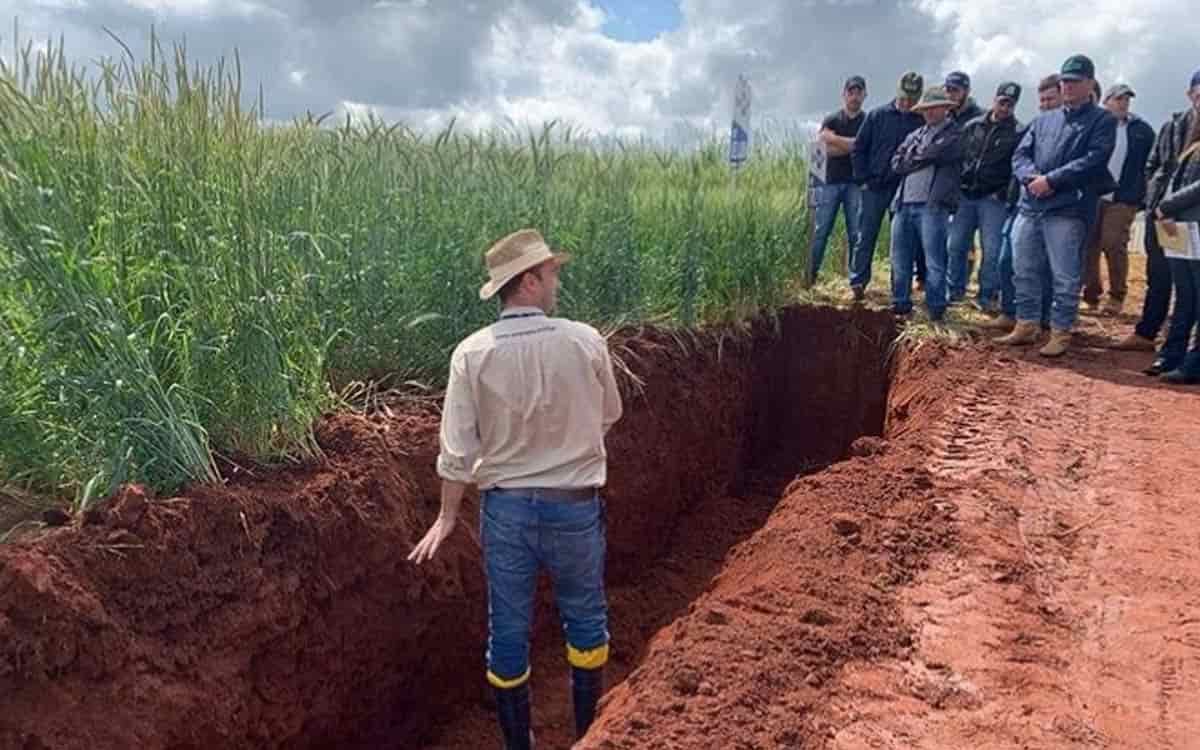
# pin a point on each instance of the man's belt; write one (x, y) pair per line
(566, 494)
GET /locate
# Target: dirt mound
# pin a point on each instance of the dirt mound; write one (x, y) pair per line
(813, 589)
(279, 611)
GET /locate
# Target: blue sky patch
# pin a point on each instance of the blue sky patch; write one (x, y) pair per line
(640, 20)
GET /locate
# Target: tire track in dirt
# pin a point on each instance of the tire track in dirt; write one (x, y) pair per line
(1065, 617)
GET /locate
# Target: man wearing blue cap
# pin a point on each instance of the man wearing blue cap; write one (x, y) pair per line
(958, 88)
(1062, 165)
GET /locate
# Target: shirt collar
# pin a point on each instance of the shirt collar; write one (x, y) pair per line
(519, 311)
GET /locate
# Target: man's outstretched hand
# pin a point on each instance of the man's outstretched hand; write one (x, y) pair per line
(432, 541)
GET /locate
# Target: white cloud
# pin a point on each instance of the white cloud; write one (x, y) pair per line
(526, 61)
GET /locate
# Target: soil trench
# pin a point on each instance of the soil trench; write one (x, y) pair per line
(278, 611)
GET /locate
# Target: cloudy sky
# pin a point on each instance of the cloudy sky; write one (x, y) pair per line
(631, 67)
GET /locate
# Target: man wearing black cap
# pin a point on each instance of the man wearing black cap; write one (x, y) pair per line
(1110, 235)
(839, 190)
(1062, 165)
(958, 88)
(881, 133)
(988, 145)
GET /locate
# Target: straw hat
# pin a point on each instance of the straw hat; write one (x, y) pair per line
(518, 252)
(934, 96)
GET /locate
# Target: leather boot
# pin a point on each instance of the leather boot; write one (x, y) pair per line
(1000, 323)
(586, 687)
(512, 710)
(1058, 344)
(1025, 332)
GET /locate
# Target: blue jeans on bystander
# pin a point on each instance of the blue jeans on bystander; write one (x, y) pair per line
(919, 227)
(987, 215)
(1056, 241)
(827, 199)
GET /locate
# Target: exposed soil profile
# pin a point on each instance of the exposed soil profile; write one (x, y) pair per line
(279, 611)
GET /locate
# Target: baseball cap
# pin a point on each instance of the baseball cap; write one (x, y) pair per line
(911, 85)
(958, 80)
(1009, 90)
(855, 82)
(1195, 79)
(1078, 68)
(1116, 90)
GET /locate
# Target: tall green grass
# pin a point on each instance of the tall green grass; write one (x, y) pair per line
(179, 278)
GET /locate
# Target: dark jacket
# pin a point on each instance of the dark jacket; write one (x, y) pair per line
(970, 110)
(1071, 147)
(1131, 188)
(1182, 200)
(943, 152)
(881, 133)
(1160, 167)
(987, 156)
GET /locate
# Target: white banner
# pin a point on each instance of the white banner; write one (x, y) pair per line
(817, 158)
(739, 133)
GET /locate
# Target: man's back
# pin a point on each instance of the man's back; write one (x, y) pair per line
(529, 402)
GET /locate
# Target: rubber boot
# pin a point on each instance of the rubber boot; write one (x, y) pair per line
(586, 687)
(512, 709)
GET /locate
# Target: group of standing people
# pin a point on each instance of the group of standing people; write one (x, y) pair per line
(1049, 200)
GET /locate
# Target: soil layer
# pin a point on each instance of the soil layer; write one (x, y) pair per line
(279, 611)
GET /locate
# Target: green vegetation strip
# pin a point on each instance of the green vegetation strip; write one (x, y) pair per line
(179, 277)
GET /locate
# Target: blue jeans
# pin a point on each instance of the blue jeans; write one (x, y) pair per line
(1039, 240)
(1185, 276)
(522, 530)
(826, 201)
(1008, 292)
(988, 216)
(873, 207)
(918, 226)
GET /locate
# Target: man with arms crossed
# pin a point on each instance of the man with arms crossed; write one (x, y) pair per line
(528, 403)
(839, 191)
(929, 162)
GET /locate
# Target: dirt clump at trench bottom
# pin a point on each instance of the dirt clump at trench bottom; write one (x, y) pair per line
(279, 611)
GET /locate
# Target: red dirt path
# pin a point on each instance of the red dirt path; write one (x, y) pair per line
(1064, 615)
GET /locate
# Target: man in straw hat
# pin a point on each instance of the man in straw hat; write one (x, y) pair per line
(1062, 165)
(528, 403)
(929, 162)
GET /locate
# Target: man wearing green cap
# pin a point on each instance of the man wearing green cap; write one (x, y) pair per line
(883, 130)
(928, 162)
(1062, 166)
(988, 145)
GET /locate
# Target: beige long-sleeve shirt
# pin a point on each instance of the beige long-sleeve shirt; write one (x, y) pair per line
(528, 404)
